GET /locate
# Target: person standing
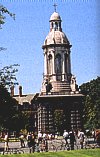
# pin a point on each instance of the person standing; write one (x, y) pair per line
(81, 137)
(72, 139)
(39, 137)
(22, 144)
(65, 136)
(33, 142)
(98, 137)
(29, 139)
(6, 142)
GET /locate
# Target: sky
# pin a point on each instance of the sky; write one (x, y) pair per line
(24, 37)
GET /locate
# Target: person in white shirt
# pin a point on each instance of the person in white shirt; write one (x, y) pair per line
(65, 136)
(81, 137)
(39, 137)
(44, 135)
(6, 141)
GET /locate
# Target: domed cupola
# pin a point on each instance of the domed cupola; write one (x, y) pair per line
(55, 22)
(57, 63)
(55, 36)
(55, 16)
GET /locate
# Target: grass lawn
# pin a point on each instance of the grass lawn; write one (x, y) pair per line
(75, 153)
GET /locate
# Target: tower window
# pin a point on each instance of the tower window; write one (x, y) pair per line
(66, 63)
(56, 26)
(52, 24)
(58, 63)
(50, 64)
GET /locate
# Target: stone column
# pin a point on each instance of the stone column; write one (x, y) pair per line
(53, 66)
(63, 67)
(69, 63)
(45, 63)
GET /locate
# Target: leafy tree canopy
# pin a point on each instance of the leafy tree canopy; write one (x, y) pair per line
(9, 117)
(4, 10)
(7, 110)
(8, 77)
(58, 119)
(91, 90)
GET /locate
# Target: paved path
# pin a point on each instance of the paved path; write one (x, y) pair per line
(15, 145)
(52, 145)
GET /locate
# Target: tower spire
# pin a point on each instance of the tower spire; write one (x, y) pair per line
(55, 5)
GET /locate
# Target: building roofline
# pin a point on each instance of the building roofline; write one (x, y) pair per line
(50, 96)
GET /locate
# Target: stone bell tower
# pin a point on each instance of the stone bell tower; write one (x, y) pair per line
(57, 62)
(59, 92)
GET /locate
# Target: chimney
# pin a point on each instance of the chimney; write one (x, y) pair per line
(20, 91)
(12, 91)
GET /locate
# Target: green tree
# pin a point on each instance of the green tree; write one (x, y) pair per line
(91, 90)
(8, 114)
(3, 11)
(58, 119)
(7, 109)
(8, 76)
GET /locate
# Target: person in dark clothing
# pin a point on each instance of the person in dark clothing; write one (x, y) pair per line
(98, 137)
(29, 138)
(31, 142)
(72, 139)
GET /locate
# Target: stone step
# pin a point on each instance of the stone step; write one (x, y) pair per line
(59, 88)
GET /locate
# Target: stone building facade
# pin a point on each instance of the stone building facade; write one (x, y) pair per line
(59, 92)
(59, 103)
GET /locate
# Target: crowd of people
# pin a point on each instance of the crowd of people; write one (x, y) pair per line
(71, 139)
(74, 137)
(27, 141)
(80, 138)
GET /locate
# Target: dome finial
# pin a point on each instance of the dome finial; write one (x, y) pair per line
(55, 5)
